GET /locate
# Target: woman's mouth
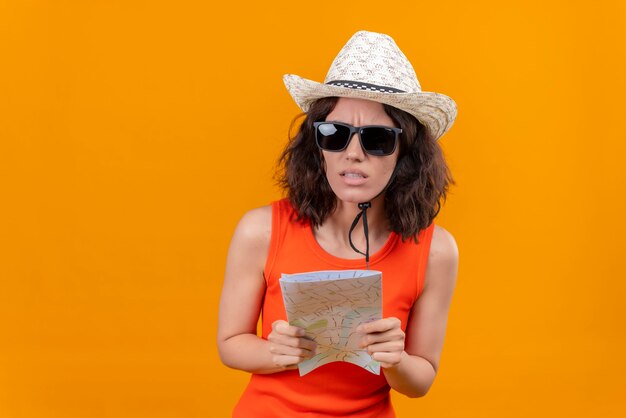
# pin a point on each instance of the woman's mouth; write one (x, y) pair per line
(353, 177)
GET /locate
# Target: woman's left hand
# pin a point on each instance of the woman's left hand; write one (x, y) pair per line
(384, 340)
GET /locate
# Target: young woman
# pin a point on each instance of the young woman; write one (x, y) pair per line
(364, 178)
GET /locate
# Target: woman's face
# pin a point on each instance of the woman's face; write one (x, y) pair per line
(354, 175)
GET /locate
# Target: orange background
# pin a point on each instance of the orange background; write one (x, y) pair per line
(134, 134)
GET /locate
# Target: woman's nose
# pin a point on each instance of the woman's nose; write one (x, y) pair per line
(354, 151)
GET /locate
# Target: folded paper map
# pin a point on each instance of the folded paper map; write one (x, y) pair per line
(330, 305)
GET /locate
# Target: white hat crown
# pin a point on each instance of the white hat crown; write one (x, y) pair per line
(373, 59)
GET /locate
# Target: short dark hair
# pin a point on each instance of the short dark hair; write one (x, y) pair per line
(412, 199)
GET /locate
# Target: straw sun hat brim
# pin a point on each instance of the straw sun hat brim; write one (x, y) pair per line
(435, 111)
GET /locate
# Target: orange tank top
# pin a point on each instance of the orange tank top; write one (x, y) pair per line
(335, 389)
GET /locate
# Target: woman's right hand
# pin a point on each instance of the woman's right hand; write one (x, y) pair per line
(289, 345)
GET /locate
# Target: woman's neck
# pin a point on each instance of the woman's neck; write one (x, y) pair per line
(333, 233)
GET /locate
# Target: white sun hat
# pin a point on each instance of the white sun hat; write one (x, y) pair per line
(371, 66)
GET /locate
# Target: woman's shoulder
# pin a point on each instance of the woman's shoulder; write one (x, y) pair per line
(443, 248)
(255, 226)
(443, 258)
(261, 213)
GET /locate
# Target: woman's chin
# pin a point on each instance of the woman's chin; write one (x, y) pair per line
(355, 197)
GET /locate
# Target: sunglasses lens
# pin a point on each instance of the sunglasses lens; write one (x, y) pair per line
(378, 140)
(332, 137)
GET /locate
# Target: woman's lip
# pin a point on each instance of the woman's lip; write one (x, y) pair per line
(353, 177)
(353, 173)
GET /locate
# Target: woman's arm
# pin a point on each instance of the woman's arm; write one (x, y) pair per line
(410, 361)
(240, 304)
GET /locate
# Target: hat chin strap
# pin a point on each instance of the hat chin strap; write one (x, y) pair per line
(363, 207)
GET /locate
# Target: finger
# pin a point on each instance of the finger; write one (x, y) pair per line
(284, 350)
(295, 342)
(388, 336)
(387, 359)
(386, 347)
(284, 328)
(289, 357)
(292, 342)
(289, 362)
(307, 344)
(380, 325)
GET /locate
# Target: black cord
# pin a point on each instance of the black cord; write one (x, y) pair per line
(363, 214)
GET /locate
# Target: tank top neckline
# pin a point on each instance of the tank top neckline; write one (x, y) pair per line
(348, 263)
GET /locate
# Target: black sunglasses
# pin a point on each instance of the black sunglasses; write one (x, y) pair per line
(375, 139)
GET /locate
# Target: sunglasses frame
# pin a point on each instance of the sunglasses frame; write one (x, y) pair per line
(357, 130)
